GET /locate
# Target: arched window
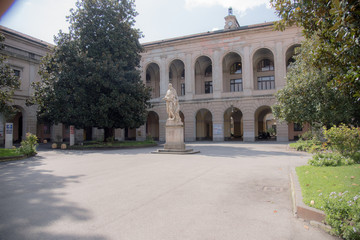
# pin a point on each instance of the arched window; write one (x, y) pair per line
(265, 65)
(208, 71)
(236, 68)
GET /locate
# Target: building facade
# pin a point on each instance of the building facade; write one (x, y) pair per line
(225, 80)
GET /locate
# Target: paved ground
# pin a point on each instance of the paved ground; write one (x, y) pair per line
(228, 191)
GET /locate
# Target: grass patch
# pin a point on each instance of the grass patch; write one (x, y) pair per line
(122, 144)
(9, 152)
(316, 180)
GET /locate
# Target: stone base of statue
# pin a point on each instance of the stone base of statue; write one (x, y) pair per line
(174, 133)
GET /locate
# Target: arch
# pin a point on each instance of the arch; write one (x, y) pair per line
(18, 124)
(204, 125)
(232, 73)
(233, 124)
(264, 69)
(265, 124)
(153, 79)
(152, 125)
(290, 53)
(177, 76)
(203, 75)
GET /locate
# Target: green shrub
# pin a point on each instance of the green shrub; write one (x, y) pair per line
(28, 146)
(343, 139)
(307, 145)
(343, 214)
(330, 159)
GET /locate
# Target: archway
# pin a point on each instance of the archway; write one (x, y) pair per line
(233, 124)
(264, 69)
(290, 53)
(203, 76)
(265, 124)
(152, 125)
(177, 76)
(204, 125)
(232, 73)
(18, 125)
(153, 79)
(130, 134)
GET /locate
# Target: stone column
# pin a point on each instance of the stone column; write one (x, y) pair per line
(282, 132)
(119, 134)
(164, 77)
(217, 75)
(280, 69)
(141, 133)
(57, 133)
(189, 78)
(247, 72)
(218, 127)
(249, 126)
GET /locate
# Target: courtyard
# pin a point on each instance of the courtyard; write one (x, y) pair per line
(229, 191)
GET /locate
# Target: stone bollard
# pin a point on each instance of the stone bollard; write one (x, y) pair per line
(63, 146)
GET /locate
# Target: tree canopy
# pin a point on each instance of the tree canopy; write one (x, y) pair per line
(8, 84)
(307, 98)
(91, 79)
(336, 25)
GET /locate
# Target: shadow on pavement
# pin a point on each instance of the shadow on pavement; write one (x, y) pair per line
(28, 201)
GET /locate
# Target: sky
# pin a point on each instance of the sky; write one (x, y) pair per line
(157, 19)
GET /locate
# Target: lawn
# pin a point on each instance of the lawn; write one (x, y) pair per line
(315, 181)
(9, 152)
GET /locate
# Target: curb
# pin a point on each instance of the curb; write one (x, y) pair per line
(300, 210)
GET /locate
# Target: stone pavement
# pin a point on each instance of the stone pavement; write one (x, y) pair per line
(229, 191)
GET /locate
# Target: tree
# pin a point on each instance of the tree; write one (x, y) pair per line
(8, 84)
(307, 98)
(91, 78)
(336, 25)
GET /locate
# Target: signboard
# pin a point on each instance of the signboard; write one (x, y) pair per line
(218, 129)
(9, 128)
(8, 135)
(72, 129)
(72, 135)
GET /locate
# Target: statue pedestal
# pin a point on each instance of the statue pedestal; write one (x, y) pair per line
(174, 137)
(174, 133)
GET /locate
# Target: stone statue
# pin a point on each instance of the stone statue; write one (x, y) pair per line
(172, 104)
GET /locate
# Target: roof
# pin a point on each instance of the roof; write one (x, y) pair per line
(209, 33)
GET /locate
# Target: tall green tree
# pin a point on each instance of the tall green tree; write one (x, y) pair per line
(92, 79)
(336, 25)
(8, 84)
(307, 98)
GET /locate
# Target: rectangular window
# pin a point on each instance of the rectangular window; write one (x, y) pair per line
(16, 73)
(267, 82)
(208, 87)
(236, 85)
(297, 127)
(183, 89)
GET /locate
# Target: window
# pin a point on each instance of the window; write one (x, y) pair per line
(16, 73)
(265, 65)
(208, 87)
(236, 68)
(183, 74)
(297, 127)
(236, 85)
(183, 89)
(208, 71)
(267, 82)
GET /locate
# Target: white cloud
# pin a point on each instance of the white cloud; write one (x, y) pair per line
(238, 5)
